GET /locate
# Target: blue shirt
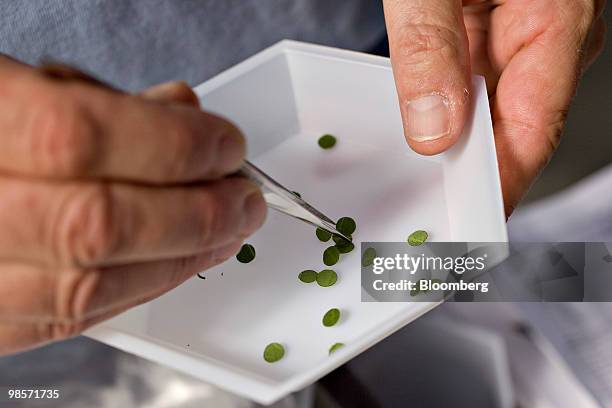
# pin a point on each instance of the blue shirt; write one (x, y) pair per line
(134, 44)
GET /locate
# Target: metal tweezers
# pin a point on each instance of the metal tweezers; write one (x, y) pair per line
(285, 201)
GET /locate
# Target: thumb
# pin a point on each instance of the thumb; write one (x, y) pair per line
(431, 66)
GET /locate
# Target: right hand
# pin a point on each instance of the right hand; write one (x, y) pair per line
(108, 200)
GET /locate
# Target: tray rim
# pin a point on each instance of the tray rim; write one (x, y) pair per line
(245, 383)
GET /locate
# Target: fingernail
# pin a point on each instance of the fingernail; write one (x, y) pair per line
(255, 210)
(159, 91)
(428, 118)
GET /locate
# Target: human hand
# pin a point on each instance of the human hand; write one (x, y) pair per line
(108, 200)
(531, 53)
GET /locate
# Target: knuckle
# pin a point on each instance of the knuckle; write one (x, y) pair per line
(556, 123)
(233, 139)
(86, 233)
(182, 269)
(420, 42)
(74, 298)
(226, 146)
(221, 215)
(61, 138)
(211, 219)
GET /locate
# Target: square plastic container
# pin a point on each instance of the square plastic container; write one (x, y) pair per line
(283, 99)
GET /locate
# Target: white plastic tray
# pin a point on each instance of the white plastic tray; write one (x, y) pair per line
(284, 98)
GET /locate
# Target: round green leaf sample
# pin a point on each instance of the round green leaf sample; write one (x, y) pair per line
(327, 277)
(246, 253)
(417, 238)
(343, 245)
(335, 347)
(331, 256)
(339, 240)
(346, 225)
(331, 317)
(368, 257)
(327, 141)
(307, 276)
(273, 352)
(323, 235)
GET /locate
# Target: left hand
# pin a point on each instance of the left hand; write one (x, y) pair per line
(531, 53)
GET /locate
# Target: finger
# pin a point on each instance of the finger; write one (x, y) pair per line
(87, 224)
(63, 305)
(430, 58)
(535, 89)
(73, 129)
(477, 20)
(173, 91)
(76, 295)
(176, 91)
